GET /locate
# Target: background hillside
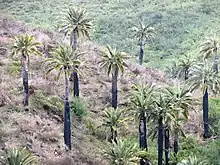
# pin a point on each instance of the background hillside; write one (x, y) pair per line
(180, 25)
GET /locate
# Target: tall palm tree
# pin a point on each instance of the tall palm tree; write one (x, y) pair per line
(76, 24)
(182, 101)
(193, 160)
(205, 78)
(143, 34)
(64, 60)
(142, 104)
(114, 63)
(114, 119)
(209, 48)
(185, 64)
(122, 153)
(25, 45)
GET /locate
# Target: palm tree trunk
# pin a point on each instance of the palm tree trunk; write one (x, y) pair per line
(205, 114)
(160, 141)
(215, 62)
(141, 53)
(176, 144)
(143, 135)
(115, 89)
(186, 74)
(25, 81)
(67, 128)
(167, 145)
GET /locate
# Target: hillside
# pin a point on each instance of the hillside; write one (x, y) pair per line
(41, 129)
(181, 25)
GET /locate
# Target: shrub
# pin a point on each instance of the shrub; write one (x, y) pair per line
(19, 157)
(14, 68)
(214, 115)
(77, 107)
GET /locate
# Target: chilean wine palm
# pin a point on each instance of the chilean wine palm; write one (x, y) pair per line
(142, 104)
(205, 78)
(209, 48)
(114, 63)
(122, 153)
(64, 60)
(182, 101)
(185, 64)
(76, 24)
(25, 45)
(114, 119)
(143, 34)
(193, 160)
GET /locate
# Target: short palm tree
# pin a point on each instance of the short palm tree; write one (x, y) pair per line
(182, 101)
(122, 153)
(19, 157)
(25, 45)
(143, 34)
(208, 49)
(193, 160)
(142, 102)
(173, 70)
(114, 119)
(64, 60)
(76, 24)
(205, 78)
(185, 64)
(114, 63)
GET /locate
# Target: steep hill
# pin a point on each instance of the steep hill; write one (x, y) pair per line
(181, 25)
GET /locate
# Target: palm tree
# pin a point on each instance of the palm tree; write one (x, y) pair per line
(142, 104)
(76, 24)
(209, 48)
(19, 157)
(64, 60)
(122, 153)
(114, 63)
(173, 70)
(25, 45)
(182, 101)
(114, 119)
(193, 160)
(205, 78)
(143, 34)
(185, 64)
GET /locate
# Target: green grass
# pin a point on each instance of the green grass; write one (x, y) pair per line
(180, 25)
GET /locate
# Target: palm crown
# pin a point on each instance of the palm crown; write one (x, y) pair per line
(26, 45)
(76, 18)
(113, 60)
(209, 47)
(143, 33)
(63, 59)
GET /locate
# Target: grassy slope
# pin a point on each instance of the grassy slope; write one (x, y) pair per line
(181, 25)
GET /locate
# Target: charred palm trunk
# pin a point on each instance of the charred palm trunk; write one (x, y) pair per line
(186, 74)
(24, 63)
(74, 75)
(205, 114)
(67, 128)
(143, 135)
(115, 89)
(167, 145)
(141, 53)
(160, 140)
(176, 144)
(215, 62)
(114, 135)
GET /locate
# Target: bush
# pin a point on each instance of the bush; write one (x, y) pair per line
(77, 107)
(214, 115)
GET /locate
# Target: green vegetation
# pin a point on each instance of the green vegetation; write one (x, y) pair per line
(78, 108)
(180, 25)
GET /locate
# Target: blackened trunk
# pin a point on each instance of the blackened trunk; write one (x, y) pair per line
(176, 144)
(143, 135)
(160, 141)
(141, 53)
(115, 136)
(75, 37)
(167, 145)
(24, 63)
(75, 84)
(67, 128)
(115, 89)
(205, 114)
(215, 62)
(186, 74)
